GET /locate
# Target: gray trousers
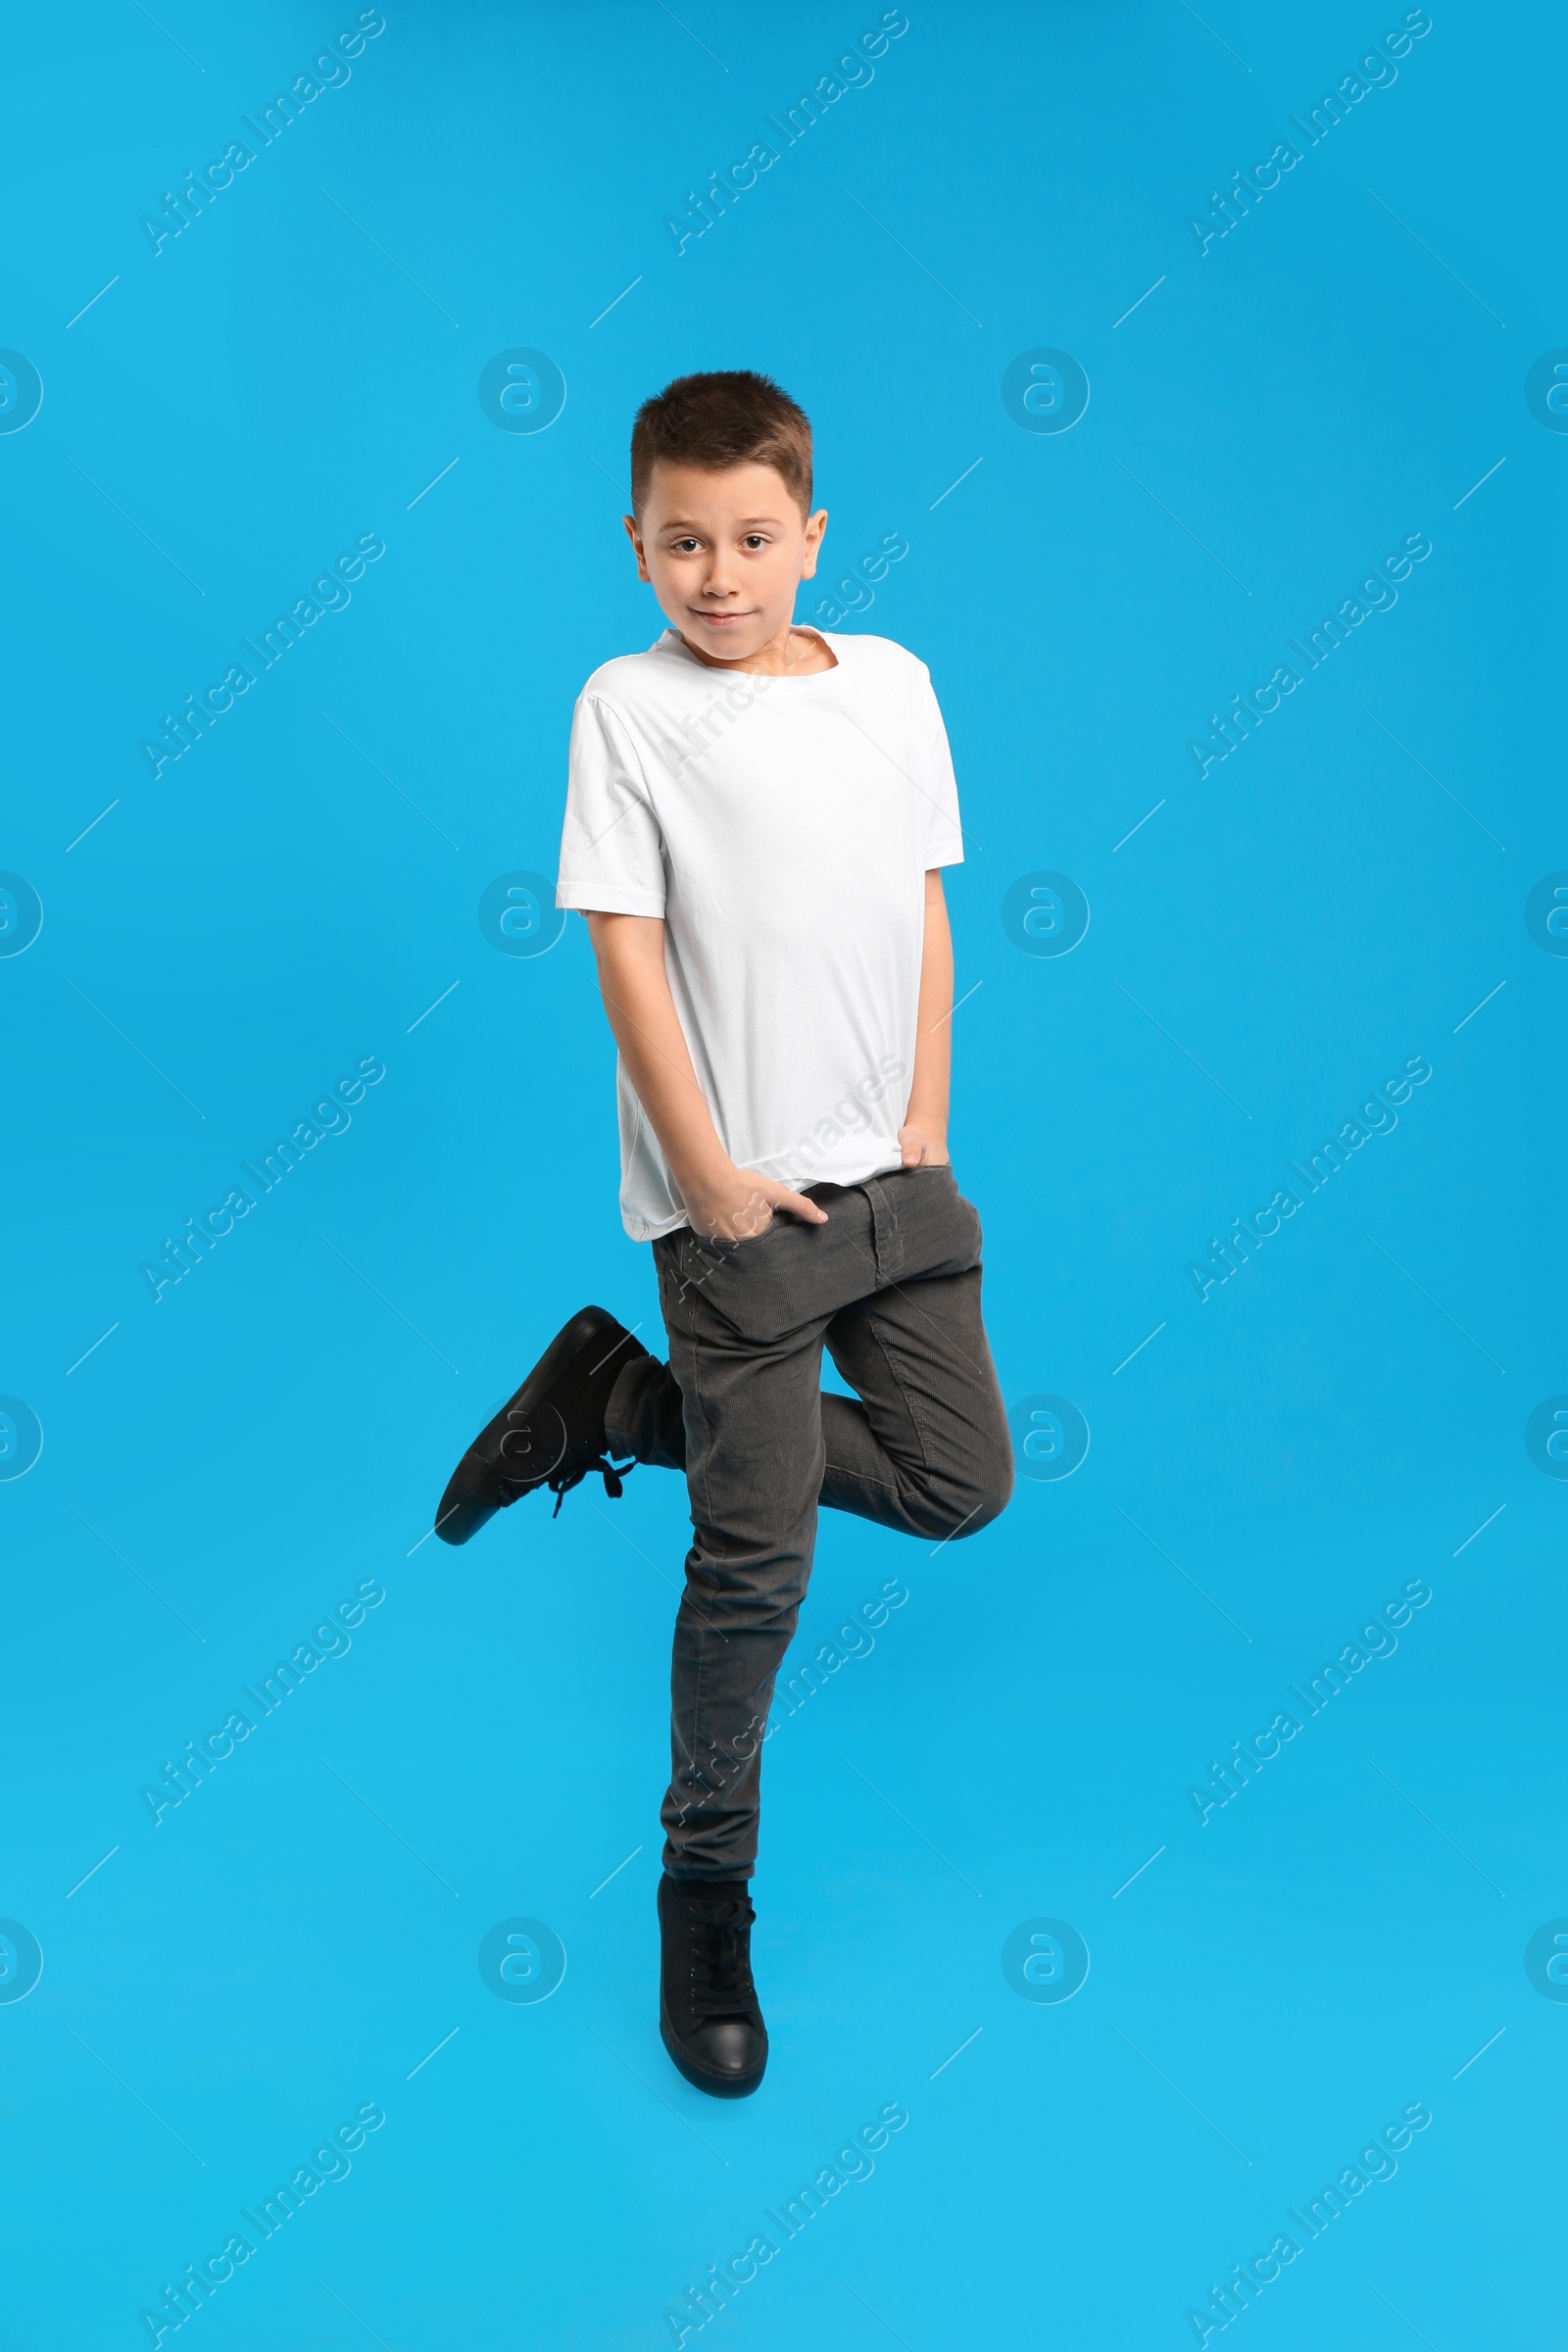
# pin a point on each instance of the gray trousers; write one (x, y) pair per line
(891, 1287)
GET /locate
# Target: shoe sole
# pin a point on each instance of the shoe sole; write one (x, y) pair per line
(717, 2086)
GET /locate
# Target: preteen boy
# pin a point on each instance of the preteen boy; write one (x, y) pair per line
(755, 818)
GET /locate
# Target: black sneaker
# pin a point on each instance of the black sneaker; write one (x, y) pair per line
(553, 1431)
(708, 2012)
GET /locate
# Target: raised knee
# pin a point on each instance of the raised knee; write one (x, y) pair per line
(993, 1500)
(982, 1495)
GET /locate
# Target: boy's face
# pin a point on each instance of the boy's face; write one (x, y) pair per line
(725, 550)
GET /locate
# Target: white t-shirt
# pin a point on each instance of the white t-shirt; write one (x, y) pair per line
(782, 827)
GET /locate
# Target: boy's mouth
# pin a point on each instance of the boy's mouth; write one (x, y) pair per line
(719, 621)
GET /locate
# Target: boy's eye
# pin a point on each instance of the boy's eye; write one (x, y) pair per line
(755, 539)
(683, 547)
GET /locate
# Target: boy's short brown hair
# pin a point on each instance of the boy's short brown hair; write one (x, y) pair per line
(731, 416)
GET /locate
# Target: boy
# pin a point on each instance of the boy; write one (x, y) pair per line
(757, 818)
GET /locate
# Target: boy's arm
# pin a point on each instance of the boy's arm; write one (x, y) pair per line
(923, 1136)
(721, 1199)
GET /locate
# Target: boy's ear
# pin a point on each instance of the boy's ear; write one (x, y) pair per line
(634, 534)
(815, 527)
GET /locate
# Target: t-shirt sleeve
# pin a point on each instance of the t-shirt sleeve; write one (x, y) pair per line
(944, 833)
(612, 850)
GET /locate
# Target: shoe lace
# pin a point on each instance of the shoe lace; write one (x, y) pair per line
(562, 1482)
(721, 1969)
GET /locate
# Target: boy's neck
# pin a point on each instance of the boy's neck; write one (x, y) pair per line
(793, 653)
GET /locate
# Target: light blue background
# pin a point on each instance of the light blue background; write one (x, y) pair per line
(227, 942)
